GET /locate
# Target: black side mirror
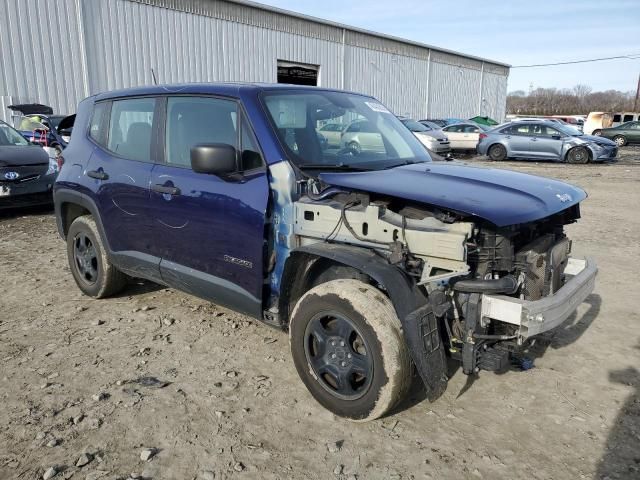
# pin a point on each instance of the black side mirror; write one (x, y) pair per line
(556, 137)
(214, 158)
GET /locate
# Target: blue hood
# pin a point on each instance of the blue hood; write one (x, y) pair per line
(502, 197)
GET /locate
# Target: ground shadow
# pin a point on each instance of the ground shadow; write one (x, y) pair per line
(138, 286)
(17, 212)
(621, 458)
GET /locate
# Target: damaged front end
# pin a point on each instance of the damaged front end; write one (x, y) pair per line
(490, 289)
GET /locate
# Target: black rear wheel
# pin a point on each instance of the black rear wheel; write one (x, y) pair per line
(497, 152)
(88, 261)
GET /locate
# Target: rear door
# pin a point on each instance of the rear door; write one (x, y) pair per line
(120, 170)
(455, 136)
(471, 135)
(209, 230)
(518, 140)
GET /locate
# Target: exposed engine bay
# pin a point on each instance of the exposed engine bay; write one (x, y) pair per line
(457, 259)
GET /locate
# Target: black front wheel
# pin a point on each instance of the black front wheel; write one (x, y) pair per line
(578, 155)
(348, 348)
(88, 261)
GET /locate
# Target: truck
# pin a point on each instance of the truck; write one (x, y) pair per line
(377, 262)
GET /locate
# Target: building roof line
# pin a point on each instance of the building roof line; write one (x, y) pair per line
(310, 18)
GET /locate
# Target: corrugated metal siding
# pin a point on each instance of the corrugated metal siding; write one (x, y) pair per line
(110, 44)
(398, 81)
(192, 48)
(453, 91)
(30, 30)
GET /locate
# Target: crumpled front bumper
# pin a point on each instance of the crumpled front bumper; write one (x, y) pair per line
(537, 316)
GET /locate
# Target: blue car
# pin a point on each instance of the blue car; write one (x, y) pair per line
(38, 125)
(374, 260)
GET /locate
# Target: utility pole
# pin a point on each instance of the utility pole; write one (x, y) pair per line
(635, 103)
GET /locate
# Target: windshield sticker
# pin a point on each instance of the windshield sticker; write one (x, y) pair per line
(376, 107)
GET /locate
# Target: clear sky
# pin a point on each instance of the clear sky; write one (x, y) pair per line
(517, 32)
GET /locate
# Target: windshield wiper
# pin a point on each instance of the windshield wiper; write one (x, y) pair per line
(321, 166)
(406, 162)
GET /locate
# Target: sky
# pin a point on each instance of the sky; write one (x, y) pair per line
(516, 32)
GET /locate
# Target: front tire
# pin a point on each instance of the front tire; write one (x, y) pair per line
(578, 155)
(348, 348)
(88, 261)
(497, 152)
(620, 140)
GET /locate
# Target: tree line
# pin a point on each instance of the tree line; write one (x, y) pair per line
(579, 100)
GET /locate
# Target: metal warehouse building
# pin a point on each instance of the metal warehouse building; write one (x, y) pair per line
(58, 52)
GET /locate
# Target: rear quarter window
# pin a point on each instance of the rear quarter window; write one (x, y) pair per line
(98, 126)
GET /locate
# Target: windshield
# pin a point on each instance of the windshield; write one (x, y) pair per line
(8, 136)
(415, 126)
(567, 129)
(369, 138)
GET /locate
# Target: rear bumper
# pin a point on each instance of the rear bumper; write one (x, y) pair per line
(538, 316)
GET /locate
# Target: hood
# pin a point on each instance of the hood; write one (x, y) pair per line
(598, 140)
(18, 156)
(502, 197)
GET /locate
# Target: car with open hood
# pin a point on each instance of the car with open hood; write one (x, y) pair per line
(27, 173)
(39, 125)
(375, 259)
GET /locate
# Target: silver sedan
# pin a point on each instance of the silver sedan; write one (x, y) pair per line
(545, 140)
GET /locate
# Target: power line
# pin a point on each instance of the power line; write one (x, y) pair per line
(628, 57)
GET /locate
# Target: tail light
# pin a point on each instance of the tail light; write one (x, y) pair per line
(60, 161)
(483, 135)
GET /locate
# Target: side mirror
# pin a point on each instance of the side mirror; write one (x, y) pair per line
(556, 137)
(214, 158)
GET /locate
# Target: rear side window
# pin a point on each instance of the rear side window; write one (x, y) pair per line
(130, 128)
(99, 123)
(195, 120)
(627, 118)
(617, 117)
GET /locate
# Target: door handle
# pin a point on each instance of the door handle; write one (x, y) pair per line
(97, 174)
(164, 189)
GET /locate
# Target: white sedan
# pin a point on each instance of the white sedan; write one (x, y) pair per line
(463, 136)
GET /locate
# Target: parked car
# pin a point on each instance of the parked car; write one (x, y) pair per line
(547, 140)
(361, 136)
(27, 173)
(464, 136)
(433, 139)
(363, 256)
(623, 134)
(438, 121)
(596, 121)
(38, 125)
(333, 133)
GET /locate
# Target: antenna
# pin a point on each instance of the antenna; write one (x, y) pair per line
(153, 74)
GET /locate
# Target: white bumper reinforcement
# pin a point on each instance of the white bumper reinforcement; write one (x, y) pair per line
(537, 316)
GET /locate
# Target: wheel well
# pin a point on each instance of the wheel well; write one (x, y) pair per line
(69, 212)
(493, 145)
(589, 152)
(305, 271)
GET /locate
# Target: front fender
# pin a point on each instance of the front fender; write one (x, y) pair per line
(419, 324)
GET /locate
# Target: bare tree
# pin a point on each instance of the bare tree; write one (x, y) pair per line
(579, 100)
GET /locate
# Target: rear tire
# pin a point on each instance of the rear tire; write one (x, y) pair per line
(620, 140)
(578, 155)
(88, 261)
(497, 152)
(349, 350)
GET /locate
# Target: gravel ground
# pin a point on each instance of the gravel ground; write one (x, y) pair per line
(159, 384)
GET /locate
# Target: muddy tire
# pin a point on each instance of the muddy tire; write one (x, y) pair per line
(620, 140)
(348, 348)
(497, 152)
(578, 155)
(88, 261)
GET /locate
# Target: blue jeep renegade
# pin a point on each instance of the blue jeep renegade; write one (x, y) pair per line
(374, 258)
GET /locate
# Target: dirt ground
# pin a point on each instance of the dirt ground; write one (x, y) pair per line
(227, 402)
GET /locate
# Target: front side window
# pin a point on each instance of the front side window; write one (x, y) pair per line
(617, 117)
(627, 118)
(10, 137)
(130, 128)
(197, 120)
(374, 139)
(453, 129)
